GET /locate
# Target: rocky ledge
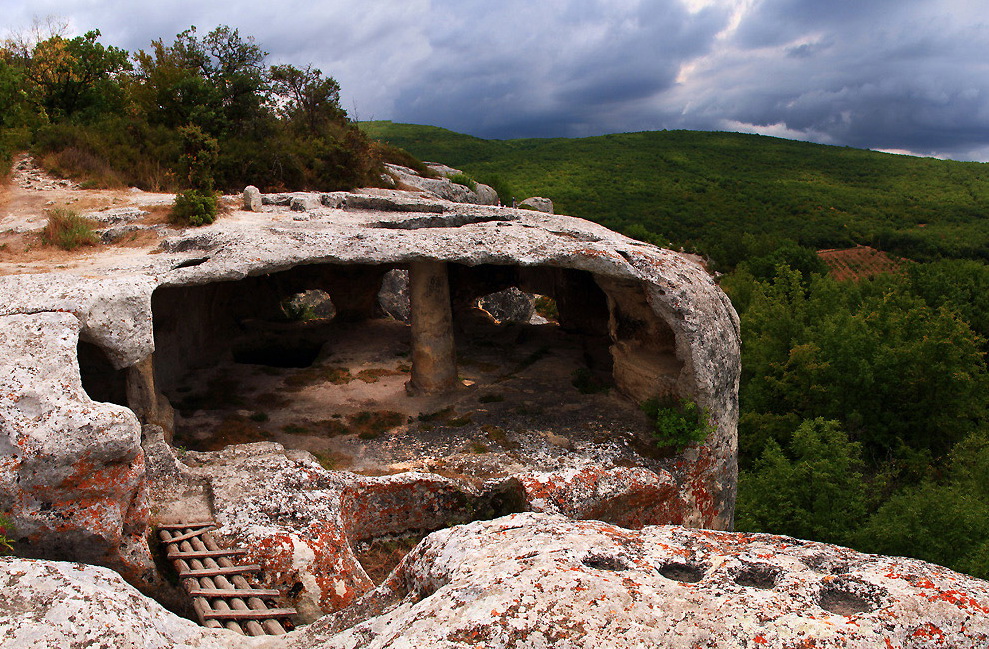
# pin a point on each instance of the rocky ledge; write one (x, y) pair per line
(541, 580)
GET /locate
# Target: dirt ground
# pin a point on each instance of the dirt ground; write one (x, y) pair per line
(28, 193)
(519, 405)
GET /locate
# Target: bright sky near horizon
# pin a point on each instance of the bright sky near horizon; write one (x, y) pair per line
(908, 76)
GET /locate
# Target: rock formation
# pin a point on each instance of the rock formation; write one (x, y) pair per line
(539, 580)
(669, 328)
(538, 203)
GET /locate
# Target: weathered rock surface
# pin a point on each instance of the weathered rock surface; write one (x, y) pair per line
(510, 305)
(443, 188)
(49, 604)
(538, 203)
(539, 580)
(301, 521)
(72, 469)
(535, 580)
(252, 198)
(393, 298)
(667, 314)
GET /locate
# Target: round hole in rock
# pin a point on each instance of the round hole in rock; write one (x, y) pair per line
(752, 575)
(605, 562)
(687, 573)
(849, 597)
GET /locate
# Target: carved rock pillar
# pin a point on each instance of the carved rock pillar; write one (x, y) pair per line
(434, 357)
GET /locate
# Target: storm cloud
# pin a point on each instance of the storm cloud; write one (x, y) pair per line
(900, 75)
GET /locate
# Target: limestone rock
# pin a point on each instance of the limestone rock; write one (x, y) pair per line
(299, 521)
(305, 203)
(47, 604)
(510, 305)
(116, 215)
(393, 299)
(538, 203)
(686, 338)
(444, 188)
(72, 472)
(252, 198)
(535, 580)
(630, 497)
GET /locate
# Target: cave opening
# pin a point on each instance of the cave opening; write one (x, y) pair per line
(321, 357)
(100, 379)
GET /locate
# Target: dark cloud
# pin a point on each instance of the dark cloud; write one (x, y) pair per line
(888, 74)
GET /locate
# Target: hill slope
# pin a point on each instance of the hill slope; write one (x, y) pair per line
(707, 188)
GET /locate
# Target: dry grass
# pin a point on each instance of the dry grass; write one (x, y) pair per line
(379, 557)
(67, 230)
(82, 165)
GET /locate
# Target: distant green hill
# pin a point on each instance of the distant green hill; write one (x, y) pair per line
(705, 189)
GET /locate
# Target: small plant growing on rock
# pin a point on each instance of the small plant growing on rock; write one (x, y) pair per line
(465, 180)
(677, 423)
(67, 230)
(6, 530)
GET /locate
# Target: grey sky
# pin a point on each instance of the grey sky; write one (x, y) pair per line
(899, 75)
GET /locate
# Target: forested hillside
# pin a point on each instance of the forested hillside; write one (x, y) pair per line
(702, 190)
(863, 404)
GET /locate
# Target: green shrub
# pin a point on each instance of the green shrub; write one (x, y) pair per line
(67, 230)
(6, 532)
(677, 423)
(465, 180)
(547, 308)
(194, 208)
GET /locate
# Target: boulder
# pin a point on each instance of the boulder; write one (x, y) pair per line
(116, 215)
(510, 305)
(72, 473)
(252, 198)
(305, 203)
(538, 203)
(538, 580)
(626, 496)
(46, 604)
(393, 299)
(443, 188)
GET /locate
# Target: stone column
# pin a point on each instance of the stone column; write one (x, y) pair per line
(150, 406)
(434, 357)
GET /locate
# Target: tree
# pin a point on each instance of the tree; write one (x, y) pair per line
(945, 521)
(306, 97)
(70, 76)
(216, 82)
(902, 377)
(813, 490)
